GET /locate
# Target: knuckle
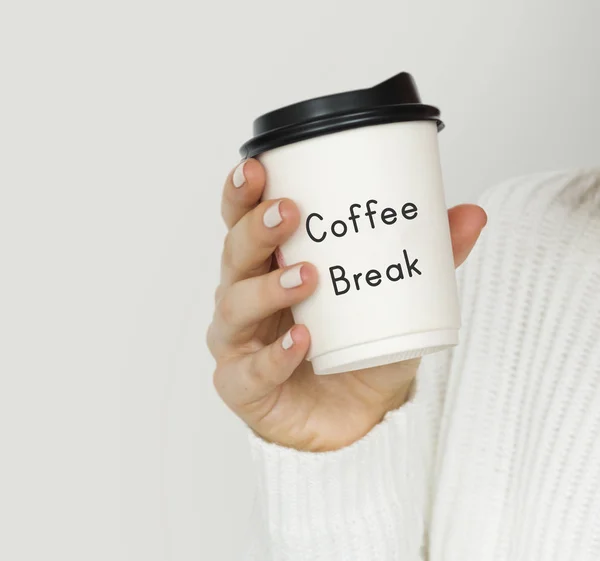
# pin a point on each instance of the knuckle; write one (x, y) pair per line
(227, 254)
(218, 293)
(217, 378)
(226, 309)
(228, 203)
(223, 374)
(210, 340)
(231, 256)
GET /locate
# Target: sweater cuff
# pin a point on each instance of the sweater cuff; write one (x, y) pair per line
(366, 501)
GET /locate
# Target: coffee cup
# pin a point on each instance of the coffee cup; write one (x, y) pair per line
(364, 169)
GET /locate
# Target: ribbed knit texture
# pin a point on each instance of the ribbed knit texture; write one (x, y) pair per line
(497, 456)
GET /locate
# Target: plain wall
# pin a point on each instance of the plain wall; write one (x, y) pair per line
(119, 121)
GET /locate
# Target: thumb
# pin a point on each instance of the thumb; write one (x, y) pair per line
(466, 223)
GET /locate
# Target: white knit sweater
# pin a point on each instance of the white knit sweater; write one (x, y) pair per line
(497, 456)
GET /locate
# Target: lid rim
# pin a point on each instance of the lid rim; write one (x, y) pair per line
(331, 124)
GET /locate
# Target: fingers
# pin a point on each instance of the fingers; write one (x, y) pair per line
(251, 242)
(242, 191)
(245, 304)
(466, 223)
(256, 375)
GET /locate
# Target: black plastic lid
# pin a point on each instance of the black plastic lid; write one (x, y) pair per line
(394, 100)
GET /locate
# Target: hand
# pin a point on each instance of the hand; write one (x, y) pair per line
(261, 373)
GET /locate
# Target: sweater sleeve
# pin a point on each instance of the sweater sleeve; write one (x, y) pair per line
(369, 501)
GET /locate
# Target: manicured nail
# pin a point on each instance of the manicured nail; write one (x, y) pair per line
(238, 175)
(292, 277)
(272, 217)
(287, 342)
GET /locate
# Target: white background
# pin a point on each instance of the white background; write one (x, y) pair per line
(118, 123)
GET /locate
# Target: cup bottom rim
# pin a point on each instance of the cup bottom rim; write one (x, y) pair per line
(384, 351)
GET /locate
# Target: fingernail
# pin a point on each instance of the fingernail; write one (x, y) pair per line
(238, 175)
(272, 217)
(292, 277)
(287, 342)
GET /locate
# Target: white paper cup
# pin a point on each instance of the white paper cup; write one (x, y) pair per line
(374, 223)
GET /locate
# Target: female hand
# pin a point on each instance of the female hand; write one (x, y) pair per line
(261, 373)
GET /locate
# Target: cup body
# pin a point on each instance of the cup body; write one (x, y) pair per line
(387, 286)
